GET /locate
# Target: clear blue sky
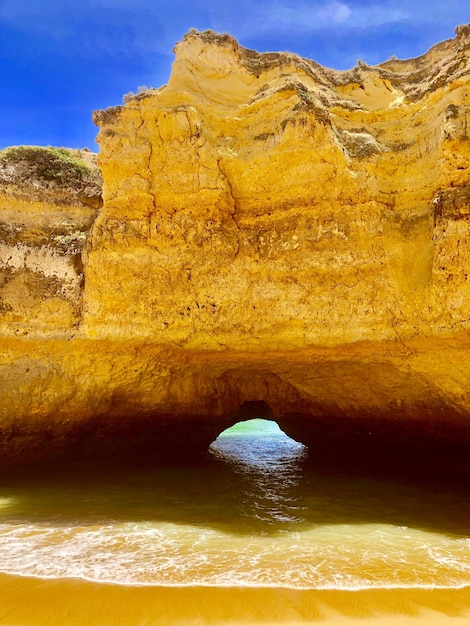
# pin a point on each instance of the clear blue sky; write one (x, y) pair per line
(61, 59)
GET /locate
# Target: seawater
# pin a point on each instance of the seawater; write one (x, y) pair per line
(254, 513)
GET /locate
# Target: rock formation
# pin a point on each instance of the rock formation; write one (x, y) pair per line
(49, 197)
(277, 239)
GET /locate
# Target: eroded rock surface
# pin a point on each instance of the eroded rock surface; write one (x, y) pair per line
(49, 198)
(265, 201)
(272, 232)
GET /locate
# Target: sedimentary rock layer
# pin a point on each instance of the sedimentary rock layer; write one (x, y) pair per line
(265, 201)
(49, 197)
(277, 238)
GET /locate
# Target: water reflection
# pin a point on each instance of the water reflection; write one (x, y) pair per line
(269, 467)
(253, 513)
(6, 502)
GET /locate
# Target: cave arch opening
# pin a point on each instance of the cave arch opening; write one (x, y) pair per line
(255, 439)
(262, 468)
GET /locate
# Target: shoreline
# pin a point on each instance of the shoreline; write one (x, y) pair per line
(249, 586)
(73, 602)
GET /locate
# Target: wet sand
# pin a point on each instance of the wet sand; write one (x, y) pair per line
(39, 602)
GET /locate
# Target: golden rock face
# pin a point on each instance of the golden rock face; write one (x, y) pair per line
(49, 197)
(273, 233)
(264, 202)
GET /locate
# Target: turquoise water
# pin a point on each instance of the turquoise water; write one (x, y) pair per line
(253, 513)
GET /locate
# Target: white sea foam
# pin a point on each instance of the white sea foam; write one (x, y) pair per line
(174, 555)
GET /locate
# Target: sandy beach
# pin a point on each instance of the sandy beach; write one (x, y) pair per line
(39, 602)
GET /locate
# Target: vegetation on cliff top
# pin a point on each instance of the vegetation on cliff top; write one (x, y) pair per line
(61, 166)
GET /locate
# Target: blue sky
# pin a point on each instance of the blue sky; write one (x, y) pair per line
(61, 59)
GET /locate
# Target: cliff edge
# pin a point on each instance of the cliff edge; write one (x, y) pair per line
(49, 198)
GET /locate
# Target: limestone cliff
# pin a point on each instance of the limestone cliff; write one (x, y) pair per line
(277, 239)
(49, 198)
(260, 200)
